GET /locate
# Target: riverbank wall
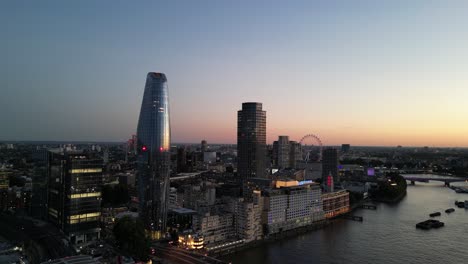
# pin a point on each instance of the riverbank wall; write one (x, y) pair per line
(272, 238)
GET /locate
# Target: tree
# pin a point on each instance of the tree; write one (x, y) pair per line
(394, 188)
(115, 195)
(131, 238)
(174, 236)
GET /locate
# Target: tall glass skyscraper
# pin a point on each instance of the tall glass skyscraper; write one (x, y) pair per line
(153, 154)
(251, 141)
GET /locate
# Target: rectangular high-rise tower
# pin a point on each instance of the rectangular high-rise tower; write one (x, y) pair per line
(251, 141)
(330, 164)
(281, 152)
(153, 154)
(74, 198)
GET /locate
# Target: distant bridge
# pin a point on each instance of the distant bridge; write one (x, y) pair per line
(431, 177)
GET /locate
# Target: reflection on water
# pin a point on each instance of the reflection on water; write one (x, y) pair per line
(387, 235)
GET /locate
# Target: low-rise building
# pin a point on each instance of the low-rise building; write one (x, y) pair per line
(335, 203)
(191, 241)
(214, 227)
(248, 215)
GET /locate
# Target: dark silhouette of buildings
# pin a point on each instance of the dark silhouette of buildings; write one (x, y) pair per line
(204, 146)
(330, 164)
(345, 148)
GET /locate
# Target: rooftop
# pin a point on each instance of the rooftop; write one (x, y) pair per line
(182, 210)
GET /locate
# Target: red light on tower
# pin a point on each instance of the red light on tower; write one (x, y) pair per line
(144, 148)
(161, 149)
(330, 183)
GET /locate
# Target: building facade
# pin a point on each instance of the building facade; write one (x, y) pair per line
(251, 141)
(153, 154)
(215, 227)
(281, 152)
(345, 148)
(335, 203)
(248, 215)
(330, 164)
(40, 179)
(204, 146)
(4, 179)
(296, 205)
(295, 153)
(74, 199)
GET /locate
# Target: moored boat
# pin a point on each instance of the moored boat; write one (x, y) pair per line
(428, 224)
(435, 214)
(450, 210)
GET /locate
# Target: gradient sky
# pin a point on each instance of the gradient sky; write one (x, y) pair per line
(359, 72)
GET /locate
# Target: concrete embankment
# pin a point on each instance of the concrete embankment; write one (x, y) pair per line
(271, 238)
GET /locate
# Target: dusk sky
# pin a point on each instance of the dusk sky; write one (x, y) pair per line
(359, 72)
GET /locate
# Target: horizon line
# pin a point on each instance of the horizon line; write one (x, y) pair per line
(216, 143)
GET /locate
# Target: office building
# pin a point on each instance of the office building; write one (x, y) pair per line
(295, 153)
(330, 164)
(204, 146)
(153, 154)
(251, 141)
(335, 203)
(209, 157)
(4, 179)
(40, 178)
(345, 148)
(215, 226)
(286, 153)
(291, 204)
(4, 193)
(281, 152)
(181, 159)
(74, 197)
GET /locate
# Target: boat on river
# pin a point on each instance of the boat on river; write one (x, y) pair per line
(431, 223)
(435, 214)
(450, 210)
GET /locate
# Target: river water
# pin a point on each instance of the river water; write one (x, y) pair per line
(387, 235)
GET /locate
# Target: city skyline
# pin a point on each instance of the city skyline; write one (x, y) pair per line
(368, 74)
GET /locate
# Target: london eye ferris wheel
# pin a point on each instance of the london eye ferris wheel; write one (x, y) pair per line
(312, 147)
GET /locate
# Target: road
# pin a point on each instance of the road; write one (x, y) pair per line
(181, 256)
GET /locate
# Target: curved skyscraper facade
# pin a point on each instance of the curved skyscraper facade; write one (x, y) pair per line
(153, 153)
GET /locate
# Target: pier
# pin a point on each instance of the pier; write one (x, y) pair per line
(353, 217)
(369, 206)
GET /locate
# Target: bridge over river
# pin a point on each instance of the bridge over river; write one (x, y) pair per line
(433, 177)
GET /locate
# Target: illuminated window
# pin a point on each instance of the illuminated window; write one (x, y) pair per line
(84, 195)
(85, 170)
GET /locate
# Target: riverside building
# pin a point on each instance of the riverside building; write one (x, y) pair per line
(335, 203)
(291, 204)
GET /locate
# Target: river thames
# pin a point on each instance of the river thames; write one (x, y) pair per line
(387, 235)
